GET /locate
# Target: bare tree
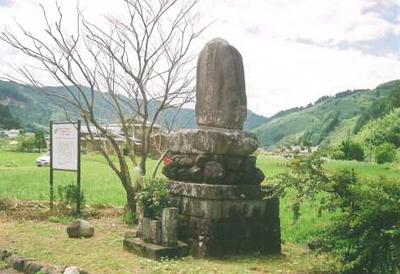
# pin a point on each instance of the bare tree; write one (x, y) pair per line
(137, 69)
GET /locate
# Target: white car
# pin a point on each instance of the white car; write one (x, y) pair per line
(43, 160)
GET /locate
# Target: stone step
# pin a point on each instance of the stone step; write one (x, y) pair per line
(155, 252)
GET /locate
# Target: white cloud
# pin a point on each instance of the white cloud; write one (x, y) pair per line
(280, 73)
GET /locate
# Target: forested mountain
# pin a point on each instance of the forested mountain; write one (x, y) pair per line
(330, 119)
(327, 121)
(34, 109)
(7, 120)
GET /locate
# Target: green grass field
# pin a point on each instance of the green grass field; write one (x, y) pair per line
(21, 179)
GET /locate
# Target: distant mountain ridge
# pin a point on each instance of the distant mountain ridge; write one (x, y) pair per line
(34, 109)
(329, 120)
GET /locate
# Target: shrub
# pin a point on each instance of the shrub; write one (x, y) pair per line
(352, 151)
(27, 145)
(336, 153)
(347, 150)
(364, 234)
(129, 217)
(155, 196)
(385, 152)
(70, 194)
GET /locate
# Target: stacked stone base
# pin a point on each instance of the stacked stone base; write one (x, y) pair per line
(218, 220)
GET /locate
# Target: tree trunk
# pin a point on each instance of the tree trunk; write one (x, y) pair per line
(130, 206)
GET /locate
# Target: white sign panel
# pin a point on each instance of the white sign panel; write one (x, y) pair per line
(65, 146)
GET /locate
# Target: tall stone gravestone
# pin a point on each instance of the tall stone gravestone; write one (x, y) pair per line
(212, 173)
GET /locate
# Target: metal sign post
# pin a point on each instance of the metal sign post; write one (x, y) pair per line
(65, 154)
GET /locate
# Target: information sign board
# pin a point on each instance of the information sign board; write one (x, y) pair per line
(65, 139)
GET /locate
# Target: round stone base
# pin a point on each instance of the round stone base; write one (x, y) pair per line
(213, 141)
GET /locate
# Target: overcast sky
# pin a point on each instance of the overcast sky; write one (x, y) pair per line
(294, 51)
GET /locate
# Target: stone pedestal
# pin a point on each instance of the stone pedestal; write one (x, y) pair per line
(226, 219)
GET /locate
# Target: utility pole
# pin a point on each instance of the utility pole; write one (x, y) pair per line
(370, 140)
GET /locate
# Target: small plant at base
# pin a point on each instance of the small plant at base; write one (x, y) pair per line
(129, 217)
(155, 196)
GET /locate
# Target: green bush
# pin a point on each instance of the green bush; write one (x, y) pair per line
(364, 234)
(384, 153)
(336, 153)
(352, 151)
(70, 194)
(27, 145)
(347, 150)
(155, 196)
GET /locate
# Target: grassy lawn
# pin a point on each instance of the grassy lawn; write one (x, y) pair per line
(21, 179)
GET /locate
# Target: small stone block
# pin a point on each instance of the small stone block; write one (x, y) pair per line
(155, 252)
(32, 267)
(130, 234)
(151, 231)
(170, 226)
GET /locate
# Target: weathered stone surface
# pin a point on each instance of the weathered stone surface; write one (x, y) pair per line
(53, 270)
(223, 219)
(249, 163)
(186, 161)
(170, 226)
(209, 209)
(151, 231)
(238, 233)
(4, 254)
(233, 163)
(155, 252)
(183, 173)
(80, 228)
(216, 192)
(32, 267)
(213, 172)
(216, 169)
(220, 89)
(72, 270)
(213, 141)
(130, 234)
(15, 261)
(196, 174)
(170, 171)
(201, 160)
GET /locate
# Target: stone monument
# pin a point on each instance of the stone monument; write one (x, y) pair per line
(212, 173)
